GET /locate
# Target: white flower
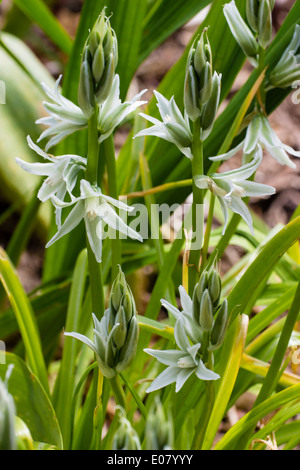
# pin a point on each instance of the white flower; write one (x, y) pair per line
(232, 186)
(65, 117)
(61, 172)
(192, 328)
(182, 362)
(174, 127)
(113, 112)
(97, 211)
(260, 133)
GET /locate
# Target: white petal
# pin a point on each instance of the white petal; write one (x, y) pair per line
(41, 169)
(169, 358)
(180, 335)
(73, 219)
(239, 207)
(167, 377)
(257, 189)
(171, 309)
(205, 374)
(93, 230)
(186, 301)
(182, 377)
(115, 222)
(83, 339)
(227, 155)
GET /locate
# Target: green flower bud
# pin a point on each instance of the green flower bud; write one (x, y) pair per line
(206, 312)
(220, 326)
(197, 295)
(259, 16)
(159, 428)
(214, 287)
(288, 68)
(198, 80)
(125, 437)
(100, 57)
(116, 334)
(241, 31)
(86, 98)
(210, 109)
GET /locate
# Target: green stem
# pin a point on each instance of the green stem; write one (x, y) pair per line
(197, 209)
(207, 231)
(206, 414)
(135, 395)
(118, 391)
(109, 150)
(91, 175)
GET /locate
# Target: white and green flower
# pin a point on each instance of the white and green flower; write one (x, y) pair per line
(182, 362)
(62, 173)
(97, 211)
(232, 186)
(113, 112)
(174, 127)
(64, 116)
(260, 134)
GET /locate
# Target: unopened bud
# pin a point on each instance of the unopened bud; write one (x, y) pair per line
(210, 109)
(100, 56)
(240, 30)
(214, 288)
(125, 437)
(220, 326)
(206, 312)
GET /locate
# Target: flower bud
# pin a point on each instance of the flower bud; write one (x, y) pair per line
(259, 16)
(287, 71)
(198, 80)
(197, 295)
(159, 428)
(206, 312)
(209, 111)
(99, 61)
(214, 287)
(241, 31)
(116, 334)
(125, 437)
(219, 328)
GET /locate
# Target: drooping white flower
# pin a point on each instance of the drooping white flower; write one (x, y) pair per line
(61, 172)
(232, 186)
(182, 362)
(113, 112)
(96, 209)
(64, 116)
(174, 127)
(260, 133)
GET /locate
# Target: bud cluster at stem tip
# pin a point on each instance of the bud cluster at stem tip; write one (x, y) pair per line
(116, 334)
(98, 64)
(207, 311)
(202, 85)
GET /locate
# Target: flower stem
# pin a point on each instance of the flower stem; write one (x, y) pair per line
(95, 271)
(207, 409)
(109, 150)
(118, 391)
(197, 209)
(207, 231)
(134, 394)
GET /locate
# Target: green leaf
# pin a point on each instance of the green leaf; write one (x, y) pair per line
(231, 356)
(261, 267)
(164, 18)
(40, 14)
(25, 318)
(251, 418)
(32, 404)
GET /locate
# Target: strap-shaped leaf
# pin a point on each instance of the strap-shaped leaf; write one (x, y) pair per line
(40, 14)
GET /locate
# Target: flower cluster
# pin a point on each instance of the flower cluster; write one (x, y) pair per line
(116, 334)
(199, 330)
